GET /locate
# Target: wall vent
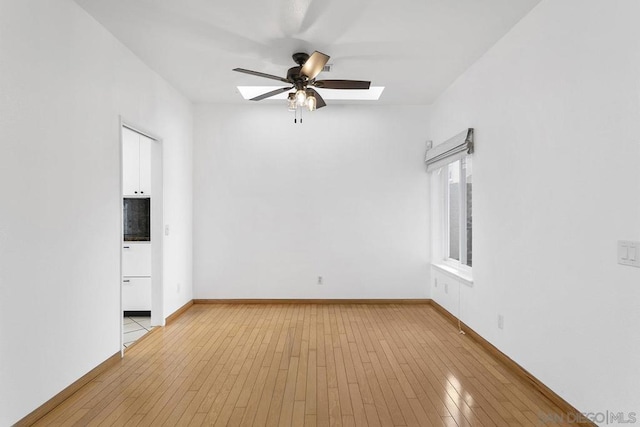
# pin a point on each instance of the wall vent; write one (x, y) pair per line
(327, 68)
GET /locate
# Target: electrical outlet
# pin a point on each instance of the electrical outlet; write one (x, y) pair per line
(178, 287)
(319, 280)
(446, 288)
(166, 230)
(435, 282)
(500, 321)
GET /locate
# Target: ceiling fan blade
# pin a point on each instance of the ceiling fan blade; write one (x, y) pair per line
(259, 74)
(319, 101)
(314, 64)
(270, 94)
(342, 84)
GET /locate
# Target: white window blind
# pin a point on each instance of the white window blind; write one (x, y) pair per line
(449, 151)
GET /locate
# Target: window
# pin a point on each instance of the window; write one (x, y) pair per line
(451, 203)
(458, 212)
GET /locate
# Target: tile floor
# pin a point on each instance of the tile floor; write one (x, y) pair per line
(134, 328)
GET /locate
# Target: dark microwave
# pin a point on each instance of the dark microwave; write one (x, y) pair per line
(137, 219)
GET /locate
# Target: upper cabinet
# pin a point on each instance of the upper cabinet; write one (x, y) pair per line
(136, 163)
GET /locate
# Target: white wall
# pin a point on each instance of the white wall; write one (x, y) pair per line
(556, 107)
(277, 204)
(64, 81)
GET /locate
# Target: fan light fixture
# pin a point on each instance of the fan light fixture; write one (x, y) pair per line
(291, 100)
(301, 97)
(302, 79)
(311, 101)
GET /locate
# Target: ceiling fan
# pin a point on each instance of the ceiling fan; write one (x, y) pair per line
(302, 78)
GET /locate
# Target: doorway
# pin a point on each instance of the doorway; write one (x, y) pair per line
(141, 233)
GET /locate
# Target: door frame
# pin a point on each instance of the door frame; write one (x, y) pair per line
(157, 221)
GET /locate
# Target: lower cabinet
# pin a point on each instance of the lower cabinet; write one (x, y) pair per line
(136, 259)
(136, 294)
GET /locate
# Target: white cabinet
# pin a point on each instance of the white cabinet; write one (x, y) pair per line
(145, 165)
(136, 256)
(136, 163)
(130, 162)
(136, 276)
(136, 294)
(136, 259)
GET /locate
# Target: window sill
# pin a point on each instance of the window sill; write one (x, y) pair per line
(462, 276)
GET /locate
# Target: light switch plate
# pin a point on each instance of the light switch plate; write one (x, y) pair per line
(629, 253)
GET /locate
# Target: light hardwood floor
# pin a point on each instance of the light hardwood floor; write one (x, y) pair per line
(306, 364)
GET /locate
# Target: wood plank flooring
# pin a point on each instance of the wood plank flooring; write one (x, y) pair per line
(306, 364)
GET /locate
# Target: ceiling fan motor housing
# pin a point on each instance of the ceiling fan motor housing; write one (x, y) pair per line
(294, 75)
(300, 58)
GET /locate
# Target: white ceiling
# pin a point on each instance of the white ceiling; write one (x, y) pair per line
(415, 48)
